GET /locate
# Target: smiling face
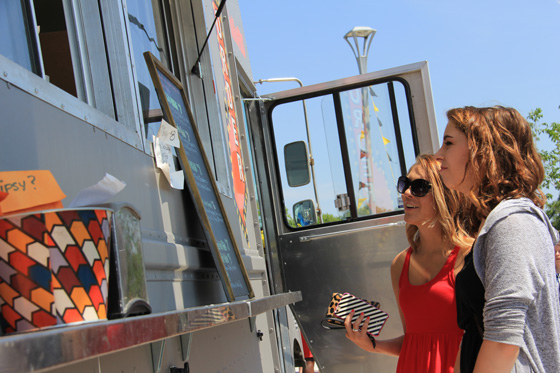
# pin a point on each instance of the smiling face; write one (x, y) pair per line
(418, 210)
(453, 157)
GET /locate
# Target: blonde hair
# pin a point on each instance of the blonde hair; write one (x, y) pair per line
(448, 205)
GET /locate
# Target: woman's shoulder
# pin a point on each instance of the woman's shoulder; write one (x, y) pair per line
(400, 257)
(511, 206)
(397, 267)
(399, 260)
(516, 215)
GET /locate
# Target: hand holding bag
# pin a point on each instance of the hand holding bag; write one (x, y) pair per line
(342, 304)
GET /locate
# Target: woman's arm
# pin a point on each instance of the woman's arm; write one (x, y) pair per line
(511, 268)
(457, 367)
(496, 357)
(396, 270)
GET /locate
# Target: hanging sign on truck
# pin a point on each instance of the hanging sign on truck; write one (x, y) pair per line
(201, 183)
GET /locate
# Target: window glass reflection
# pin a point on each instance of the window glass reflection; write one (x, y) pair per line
(145, 22)
(372, 148)
(313, 123)
(20, 46)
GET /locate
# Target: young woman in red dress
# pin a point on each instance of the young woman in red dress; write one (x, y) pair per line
(423, 275)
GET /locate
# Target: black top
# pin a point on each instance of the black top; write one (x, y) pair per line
(469, 294)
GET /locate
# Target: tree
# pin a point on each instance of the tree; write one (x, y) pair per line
(327, 218)
(291, 221)
(551, 162)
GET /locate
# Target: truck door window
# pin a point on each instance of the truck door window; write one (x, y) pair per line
(359, 142)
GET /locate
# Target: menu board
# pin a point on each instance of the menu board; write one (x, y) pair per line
(200, 182)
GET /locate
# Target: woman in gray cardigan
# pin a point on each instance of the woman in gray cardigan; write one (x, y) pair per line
(509, 303)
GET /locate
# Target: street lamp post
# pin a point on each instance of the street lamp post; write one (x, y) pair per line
(365, 34)
(311, 160)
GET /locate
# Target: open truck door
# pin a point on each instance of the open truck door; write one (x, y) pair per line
(327, 159)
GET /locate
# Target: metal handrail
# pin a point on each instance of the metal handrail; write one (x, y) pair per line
(339, 233)
(67, 344)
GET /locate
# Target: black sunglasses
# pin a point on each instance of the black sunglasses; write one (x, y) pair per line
(418, 187)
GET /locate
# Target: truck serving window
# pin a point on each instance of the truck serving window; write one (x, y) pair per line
(54, 40)
(341, 154)
(92, 50)
(16, 20)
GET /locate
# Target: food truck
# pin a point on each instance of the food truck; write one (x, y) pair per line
(225, 247)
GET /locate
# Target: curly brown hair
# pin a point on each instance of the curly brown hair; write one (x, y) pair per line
(448, 205)
(503, 157)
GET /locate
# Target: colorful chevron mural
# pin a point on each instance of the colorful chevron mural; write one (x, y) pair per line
(54, 268)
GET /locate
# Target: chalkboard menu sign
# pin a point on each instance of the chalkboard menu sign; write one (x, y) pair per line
(200, 182)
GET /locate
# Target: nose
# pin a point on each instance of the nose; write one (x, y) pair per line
(407, 193)
(439, 156)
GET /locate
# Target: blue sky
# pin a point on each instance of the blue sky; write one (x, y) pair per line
(479, 52)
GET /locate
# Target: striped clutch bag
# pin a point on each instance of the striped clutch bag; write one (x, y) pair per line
(377, 317)
(330, 321)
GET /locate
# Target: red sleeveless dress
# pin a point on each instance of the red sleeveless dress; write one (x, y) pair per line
(432, 337)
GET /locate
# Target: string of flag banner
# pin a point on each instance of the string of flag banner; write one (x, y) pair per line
(365, 183)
